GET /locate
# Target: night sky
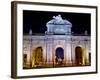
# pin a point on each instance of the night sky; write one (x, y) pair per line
(36, 20)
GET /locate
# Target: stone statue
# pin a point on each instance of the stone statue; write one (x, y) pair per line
(58, 25)
(58, 18)
(30, 31)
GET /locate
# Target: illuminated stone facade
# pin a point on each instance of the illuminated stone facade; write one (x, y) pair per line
(58, 35)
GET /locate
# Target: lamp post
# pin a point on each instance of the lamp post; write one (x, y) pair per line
(30, 34)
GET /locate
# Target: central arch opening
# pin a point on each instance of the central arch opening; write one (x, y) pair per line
(59, 55)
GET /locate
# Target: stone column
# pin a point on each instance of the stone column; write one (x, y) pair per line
(69, 53)
(73, 52)
(87, 51)
(49, 51)
(44, 51)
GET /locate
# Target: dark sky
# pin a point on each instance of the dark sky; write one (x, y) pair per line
(36, 20)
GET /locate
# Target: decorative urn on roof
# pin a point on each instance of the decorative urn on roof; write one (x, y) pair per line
(58, 26)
